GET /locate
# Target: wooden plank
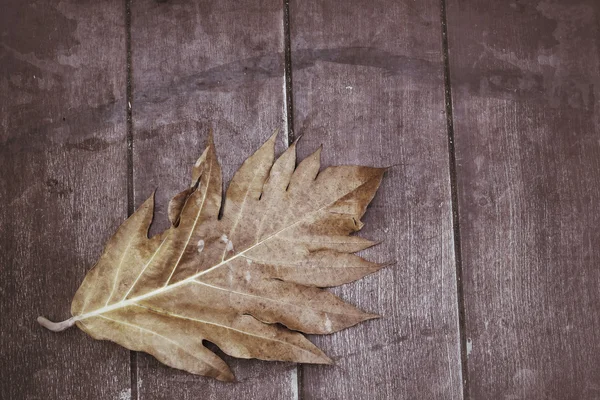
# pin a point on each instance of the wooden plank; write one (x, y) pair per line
(202, 64)
(63, 190)
(368, 84)
(525, 84)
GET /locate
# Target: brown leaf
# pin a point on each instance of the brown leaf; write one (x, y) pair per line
(245, 282)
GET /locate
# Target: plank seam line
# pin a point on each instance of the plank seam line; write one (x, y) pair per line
(289, 100)
(454, 201)
(133, 365)
(289, 104)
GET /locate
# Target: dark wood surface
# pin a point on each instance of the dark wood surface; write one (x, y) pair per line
(368, 82)
(369, 85)
(63, 190)
(525, 80)
(199, 65)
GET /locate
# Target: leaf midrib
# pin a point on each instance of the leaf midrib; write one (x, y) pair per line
(125, 303)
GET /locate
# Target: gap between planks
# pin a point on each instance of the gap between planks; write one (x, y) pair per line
(454, 200)
(133, 359)
(297, 390)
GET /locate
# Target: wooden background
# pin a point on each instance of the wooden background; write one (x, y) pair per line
(488, 110)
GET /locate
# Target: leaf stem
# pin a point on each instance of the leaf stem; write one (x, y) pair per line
(56, 326)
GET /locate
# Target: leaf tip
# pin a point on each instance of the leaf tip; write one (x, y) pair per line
(317, 153)
(328, 361)
(270, 142)
(385, 264)
(373, 243)
(297, 140)
(323, 359)
(369, 316)
(274, 135)
(210, 140)
(149, 202)
(227, 377)
(391, 166)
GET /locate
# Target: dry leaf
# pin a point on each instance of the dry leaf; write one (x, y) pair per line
(247, 281)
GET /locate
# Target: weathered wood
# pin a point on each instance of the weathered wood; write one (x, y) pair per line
(63, 190)
(198, 65)
(368, 84)
(526, 81)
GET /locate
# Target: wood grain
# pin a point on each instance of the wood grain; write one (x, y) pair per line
(63, 190)
(197, 65)
(526, 81)
(368, 84)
